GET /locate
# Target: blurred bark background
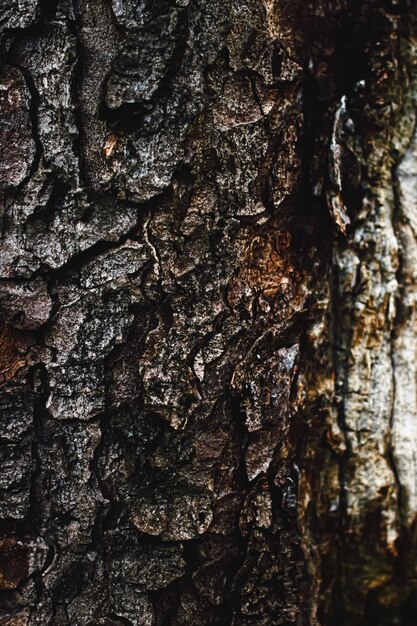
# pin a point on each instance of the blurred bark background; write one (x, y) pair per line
(208, 284)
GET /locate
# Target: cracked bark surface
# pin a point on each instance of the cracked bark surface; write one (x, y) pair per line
(208, 269)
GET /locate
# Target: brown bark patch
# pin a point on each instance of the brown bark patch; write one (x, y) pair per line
(14, 561)
(269, 272)
(12, 352)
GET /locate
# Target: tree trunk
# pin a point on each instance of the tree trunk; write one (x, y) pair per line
(208, 290)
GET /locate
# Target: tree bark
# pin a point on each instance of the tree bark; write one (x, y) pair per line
(208, 288)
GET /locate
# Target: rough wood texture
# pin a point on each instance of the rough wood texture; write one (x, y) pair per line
(208, 297)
